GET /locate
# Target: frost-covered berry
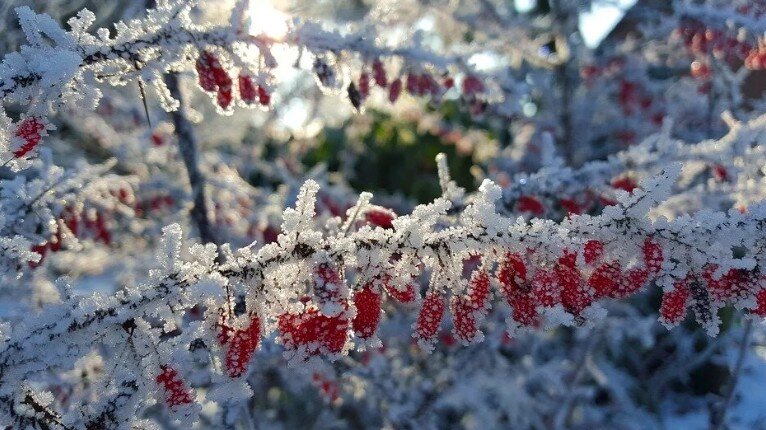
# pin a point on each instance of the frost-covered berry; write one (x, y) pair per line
(530, 204)
(605, 278)
(379, 74)
(464, 319)
(242, 343)
(367, 303)
(312, 333)
(364, 84)
(247, 91)
(524, 310)
(735, 283)
(592, 251)
(328, 287)
(653, 258)
(478, 290)
(631, 281)
(468, 310)
(575, 294)
(29, 132)
(224, 97)
(264, 97)
(408, 294)
(545, 289)
(429, 318)
(760, 303)
(176, 392)
(205, 74)
(674, 303)
(512, 275)
(380, 216)
(394, 90)
(625, 183)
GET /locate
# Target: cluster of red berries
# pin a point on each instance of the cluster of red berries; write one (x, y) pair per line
(213, 77)
(251, 93)
(418, 84)
(702, 40)
(154, 204)
(176, 392)
(570, 286)
(705, 289)
(29, 132)
(633, 98)
(576, 205)
(469, 309)
(315, 330)
(80, 226)
(240, 342)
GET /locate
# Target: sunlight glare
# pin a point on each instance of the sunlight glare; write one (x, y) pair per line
(266, 19)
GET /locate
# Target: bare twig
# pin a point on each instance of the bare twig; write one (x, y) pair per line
(187, 144)
(718, 420)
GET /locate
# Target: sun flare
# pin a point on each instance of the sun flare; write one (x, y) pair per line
(266, 19)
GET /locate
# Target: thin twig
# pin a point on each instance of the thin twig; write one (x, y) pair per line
(719, 419)
(187, 145)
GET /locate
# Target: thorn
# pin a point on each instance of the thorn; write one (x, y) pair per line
(143, 100)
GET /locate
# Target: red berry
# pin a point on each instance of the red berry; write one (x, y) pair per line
(395, 90)
(247, 91)
(367, 303)
(364, 85)
(29, 131)
(673, 307)
(571, 206)
(379, 74)
(478, 290)
(653, 257)
(380, 217)
(575, 295)
(633, 280)
(524, 310)
(625, 183)
(224, 97)
(407, 295)
(592, 251)
(176, 392)
(531, 205)
(242, 343)
(605, 279)
(430, 317)
(204, 66)
(313, 332)
(264, 98)
(512, 275)
(327, 284)
(464, 319)
(720, 173)
(760, 306)
(545, 288)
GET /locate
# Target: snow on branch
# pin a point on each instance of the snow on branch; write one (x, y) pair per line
(57, 67)
(319, 291)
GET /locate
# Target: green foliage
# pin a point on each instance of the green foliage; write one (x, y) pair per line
(390, 156)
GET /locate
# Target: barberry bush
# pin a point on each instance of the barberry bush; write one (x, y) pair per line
(187, 239)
